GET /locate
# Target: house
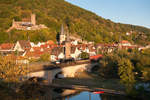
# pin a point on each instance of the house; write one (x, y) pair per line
(106, 48)
(22, 46)
(96, 57)
(125, 43)
(6, 47)
(50, 42)
(22, 60)
(92, 50)
(36, 52)
(75, 42)
(33, 55)
(57, 53)
(75, 52)
(129, 33)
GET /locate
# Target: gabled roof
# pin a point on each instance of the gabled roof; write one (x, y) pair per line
(56, 50)
(24, 44)
(35, 54)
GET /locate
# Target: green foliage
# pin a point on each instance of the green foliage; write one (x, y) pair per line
(84, 55)
(146, 52)
(10, 71)
(126, 73)
(45, 57)
(53, 13)
(146, 74)
(109, 66)
(130, 66)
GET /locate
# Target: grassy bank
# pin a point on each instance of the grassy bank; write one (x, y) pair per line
(92, 81)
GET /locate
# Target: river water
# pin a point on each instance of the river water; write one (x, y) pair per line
(67, 94)
(85, 96)
(90, 96)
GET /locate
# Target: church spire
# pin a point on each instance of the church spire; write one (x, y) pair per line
(62, 30)
(62, 36)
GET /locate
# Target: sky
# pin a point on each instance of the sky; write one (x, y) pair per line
(136, 12)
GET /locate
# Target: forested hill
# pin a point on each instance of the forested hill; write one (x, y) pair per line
(53, 13)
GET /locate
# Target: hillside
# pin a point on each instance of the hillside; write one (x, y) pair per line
(53, 13)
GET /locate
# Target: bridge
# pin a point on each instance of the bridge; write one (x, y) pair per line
(51, 71)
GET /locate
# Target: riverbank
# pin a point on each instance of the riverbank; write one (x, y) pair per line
(91, 81)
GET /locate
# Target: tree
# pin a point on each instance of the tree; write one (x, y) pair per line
(10, 71)
(109, 66)
(84, 55)
(45, 57)
(126, 73)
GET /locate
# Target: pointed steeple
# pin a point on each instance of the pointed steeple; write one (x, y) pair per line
(62, 30)
(62, 36)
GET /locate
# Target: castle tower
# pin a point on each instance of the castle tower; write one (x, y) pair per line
(62, 36)
(33, 19)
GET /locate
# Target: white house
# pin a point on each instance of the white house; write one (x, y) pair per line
(61, 56)
(75, 52)
(22, 45)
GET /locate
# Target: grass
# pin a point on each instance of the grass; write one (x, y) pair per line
(92, 81)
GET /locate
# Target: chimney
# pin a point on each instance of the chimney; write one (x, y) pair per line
(33, 19)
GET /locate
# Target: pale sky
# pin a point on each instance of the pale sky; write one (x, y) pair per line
(136, 12)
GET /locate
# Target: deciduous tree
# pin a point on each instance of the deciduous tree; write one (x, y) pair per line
(126, 73)
(10, 71)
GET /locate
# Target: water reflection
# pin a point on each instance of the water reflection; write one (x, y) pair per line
(85, 96)
(66, 94)
(59, 94)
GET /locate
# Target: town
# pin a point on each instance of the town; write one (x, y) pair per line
(66, 48)
(52, 51)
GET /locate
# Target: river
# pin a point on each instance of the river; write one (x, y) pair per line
(66, 94)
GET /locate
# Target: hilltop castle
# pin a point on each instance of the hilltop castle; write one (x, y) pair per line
(26, 24)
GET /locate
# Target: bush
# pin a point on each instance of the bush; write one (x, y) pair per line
(84, 55)
(45, 57)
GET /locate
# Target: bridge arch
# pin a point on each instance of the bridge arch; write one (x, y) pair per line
(68, 71)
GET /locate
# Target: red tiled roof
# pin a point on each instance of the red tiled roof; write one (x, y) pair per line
(124, 41)
(35, 54)
(50, 42)
(96, 57)
(36, 49)
(6, 46)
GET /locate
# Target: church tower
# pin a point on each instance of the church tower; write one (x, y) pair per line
(62, 36)
(33, 19)
(67, 47)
